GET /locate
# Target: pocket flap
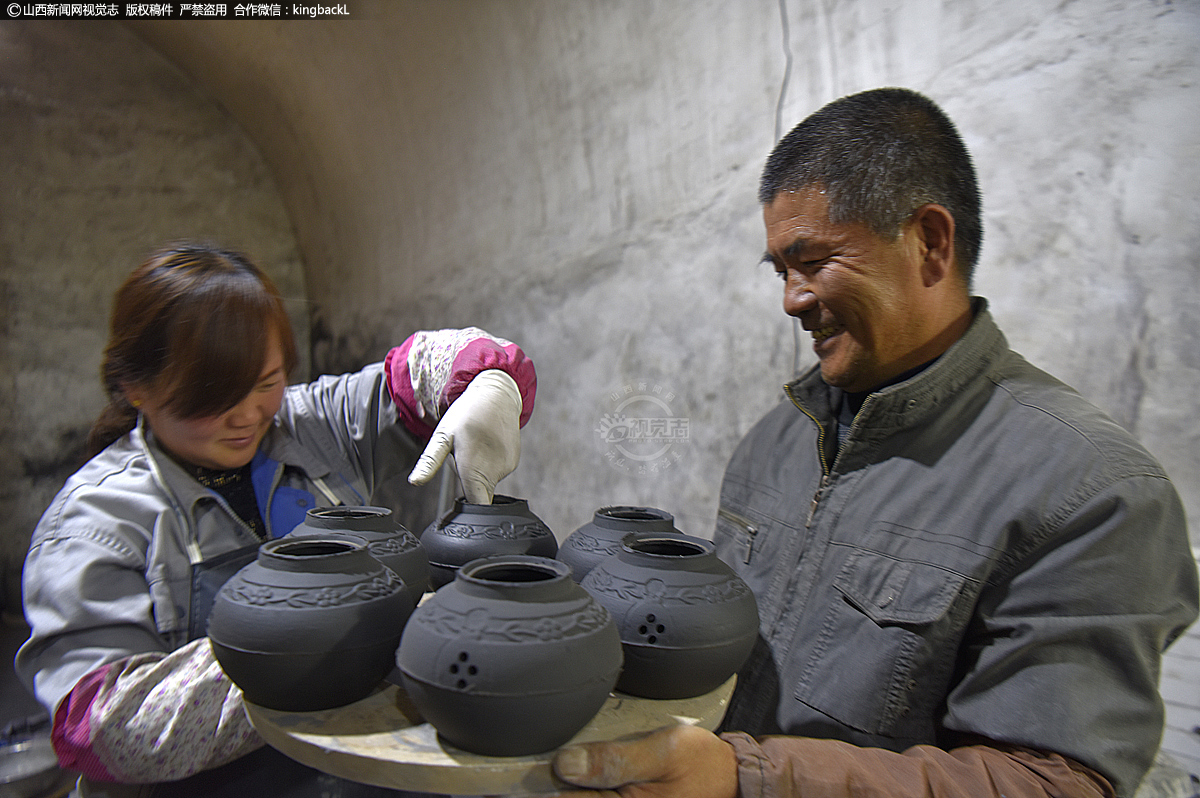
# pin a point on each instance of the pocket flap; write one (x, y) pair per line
(892, 591)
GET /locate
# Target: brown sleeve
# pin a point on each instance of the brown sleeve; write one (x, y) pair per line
(801, 767)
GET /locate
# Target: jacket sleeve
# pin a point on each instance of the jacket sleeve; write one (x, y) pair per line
(798, 767)
(1066, 643)
(365, 423)
(123, 708)
(432, 368)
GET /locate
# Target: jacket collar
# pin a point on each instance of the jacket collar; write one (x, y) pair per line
(917, 398)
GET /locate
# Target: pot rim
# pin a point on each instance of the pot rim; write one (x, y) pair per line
(326, 552)
(700, 546)
(633, 513)
(554, 570)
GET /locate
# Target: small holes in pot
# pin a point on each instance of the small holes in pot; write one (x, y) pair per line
(462, 656)
(660, 628)
(650, 618)
(461, 684)
(472, 670)
(454, 669)
(651, 639)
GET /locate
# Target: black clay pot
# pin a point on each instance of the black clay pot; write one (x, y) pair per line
(511, 658)
(601, 537)
(387, 540)
(470, 531)
(687, 621)
(312, 623)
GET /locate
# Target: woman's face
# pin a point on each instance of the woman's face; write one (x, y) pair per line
(224, 441)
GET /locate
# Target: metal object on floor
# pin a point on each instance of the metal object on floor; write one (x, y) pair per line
(28, 767)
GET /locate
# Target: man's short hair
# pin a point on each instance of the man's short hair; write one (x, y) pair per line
(879, 155)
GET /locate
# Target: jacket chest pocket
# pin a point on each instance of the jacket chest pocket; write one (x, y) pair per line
(881, 659)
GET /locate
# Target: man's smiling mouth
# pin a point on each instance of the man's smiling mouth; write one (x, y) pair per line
(822, 333)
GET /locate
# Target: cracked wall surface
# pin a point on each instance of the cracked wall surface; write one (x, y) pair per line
(580, 177)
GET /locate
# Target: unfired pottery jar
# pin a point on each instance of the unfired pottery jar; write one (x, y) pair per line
(387, 540)
(601, 537)
(687, 621)
(511, 658)
(312, 623)
(470, 531)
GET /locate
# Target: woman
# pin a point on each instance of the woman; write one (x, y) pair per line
(204, 452)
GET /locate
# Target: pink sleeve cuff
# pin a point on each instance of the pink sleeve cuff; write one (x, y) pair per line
(474, 354)
(71, 733)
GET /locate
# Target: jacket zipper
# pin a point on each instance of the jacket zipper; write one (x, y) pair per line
(747, 526)
(825, 473)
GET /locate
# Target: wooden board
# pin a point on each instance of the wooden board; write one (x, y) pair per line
(383, 740)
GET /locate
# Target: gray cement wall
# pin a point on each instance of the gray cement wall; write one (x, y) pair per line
(580, 177)
(109, 152)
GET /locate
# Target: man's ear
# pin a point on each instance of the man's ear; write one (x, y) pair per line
(934, 227)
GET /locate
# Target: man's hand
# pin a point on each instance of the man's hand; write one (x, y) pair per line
(481, 429)
(675, 762)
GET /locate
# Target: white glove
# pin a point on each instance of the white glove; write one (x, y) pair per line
(481, 430)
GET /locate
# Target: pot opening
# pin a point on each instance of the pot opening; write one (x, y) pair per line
(513, 572)
(665, 547)
(314, 548)
(632, 515)
(344, 512)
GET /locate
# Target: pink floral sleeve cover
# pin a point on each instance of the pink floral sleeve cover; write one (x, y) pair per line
(153, 717)
(429, 371)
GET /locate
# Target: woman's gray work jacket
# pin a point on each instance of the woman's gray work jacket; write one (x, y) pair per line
(987, 554)
(109, 569)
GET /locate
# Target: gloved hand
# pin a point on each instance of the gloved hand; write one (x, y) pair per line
(481, 430)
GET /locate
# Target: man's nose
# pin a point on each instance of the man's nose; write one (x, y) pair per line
(797, 298)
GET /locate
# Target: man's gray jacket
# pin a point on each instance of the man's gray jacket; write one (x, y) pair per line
(987, 554)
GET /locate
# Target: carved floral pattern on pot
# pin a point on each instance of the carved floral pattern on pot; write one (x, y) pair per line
(659, 591)
(505, 531)
(477, 624)
(378, 587)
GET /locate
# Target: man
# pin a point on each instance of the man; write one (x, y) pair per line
(966, 573)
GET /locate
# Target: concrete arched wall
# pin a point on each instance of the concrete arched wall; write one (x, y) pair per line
(109, 152)
(580, 177)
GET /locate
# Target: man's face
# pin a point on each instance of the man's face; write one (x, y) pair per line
(858, 293)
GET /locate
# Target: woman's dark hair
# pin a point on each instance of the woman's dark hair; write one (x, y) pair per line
(879, 155)
(191, 323)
